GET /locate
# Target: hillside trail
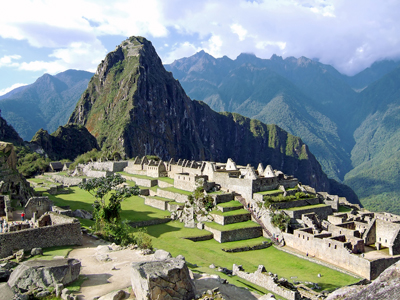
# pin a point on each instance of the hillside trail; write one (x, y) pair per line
(104, 277)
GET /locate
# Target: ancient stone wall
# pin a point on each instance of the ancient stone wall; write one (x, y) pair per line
(235, 235)
(68, 181)
(164, 184)
(323, 212)
(142, 181)
(338, 230)
(329, 250)
(267, 281)
(38, 205)
(56, 235)
(386, 232)
(296, 203)
(157, 203)
(225, 220)
(185, 181)
(239, 185)
(98, 174)
(181, 198)
(222, 198)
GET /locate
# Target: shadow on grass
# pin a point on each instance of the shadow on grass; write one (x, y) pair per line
(251, 287)
(157, 230)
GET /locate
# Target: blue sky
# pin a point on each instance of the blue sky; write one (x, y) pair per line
(40, 36)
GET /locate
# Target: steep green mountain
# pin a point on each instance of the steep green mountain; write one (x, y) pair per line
(47, 103)
(8, 133)
(67, 142)
(296, 94)
(134, 106)
(375, 72)
(376, 155)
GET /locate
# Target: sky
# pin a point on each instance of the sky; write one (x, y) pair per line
(40, 36)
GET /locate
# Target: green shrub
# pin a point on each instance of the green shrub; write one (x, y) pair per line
(143, 240)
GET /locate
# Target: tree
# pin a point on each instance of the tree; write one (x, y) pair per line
(109, 195)
(280, 220)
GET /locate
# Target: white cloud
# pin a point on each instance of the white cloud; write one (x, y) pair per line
(240, 31)
(9, 89)
(7, 60)
(213, 46)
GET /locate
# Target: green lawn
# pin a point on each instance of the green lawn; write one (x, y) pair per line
(232, 203)
(247, 224)
(344, 209)
(306, 207)
(207, 252)
(166, 179)
(271, 192)
(200, 255)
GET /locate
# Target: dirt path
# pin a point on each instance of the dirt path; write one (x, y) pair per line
(107, 276)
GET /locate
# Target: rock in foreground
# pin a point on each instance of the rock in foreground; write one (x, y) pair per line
(166, 279)
(44, 273)
(386, 286)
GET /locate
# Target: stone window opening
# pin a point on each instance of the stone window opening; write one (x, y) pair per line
(335, 247)
(329, 245)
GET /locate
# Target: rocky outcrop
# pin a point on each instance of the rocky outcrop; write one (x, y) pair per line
(133, 97)
(67, 141)
(12, 182)
(386, 286)
(8, 133)
(165, 279)
(43, 274)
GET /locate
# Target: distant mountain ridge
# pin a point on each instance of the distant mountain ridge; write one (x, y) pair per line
(47, 103)
(349, 123)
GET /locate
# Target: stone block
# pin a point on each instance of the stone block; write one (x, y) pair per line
(167, 279)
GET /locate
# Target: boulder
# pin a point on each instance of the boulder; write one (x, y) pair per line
(161, 255)
(4, 274)
(36, 251)
(44, 273)
(84, 214)
(166, 279)
(5, 291)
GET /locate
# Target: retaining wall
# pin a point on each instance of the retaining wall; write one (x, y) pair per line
(61, 234)
(235, 235)
(181, 198)
(225, 220)
(269, 282)
(157, 203)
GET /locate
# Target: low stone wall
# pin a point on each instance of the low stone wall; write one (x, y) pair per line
(181, 198)
(68, 181)
(263, 245)
(143, 181)
(43, 237)
(174, 207)
(269, 282)
(222, 198)
(156, 203)
(323, 212)
(98, 174)
(235, 235)
(225, 220)
(296, 203)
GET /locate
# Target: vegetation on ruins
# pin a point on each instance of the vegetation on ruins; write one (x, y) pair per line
(270, 200)
(107, 206)
(30, 163)
(280, 220)
(95, 155)
(203, 200)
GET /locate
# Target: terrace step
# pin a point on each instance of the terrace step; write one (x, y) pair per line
(231, 217)
(233, 232)
(229, 206)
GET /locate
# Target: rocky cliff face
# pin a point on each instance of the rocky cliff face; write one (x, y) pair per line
(66, 142)
(11, 182)
(133, 105)
(8, 133)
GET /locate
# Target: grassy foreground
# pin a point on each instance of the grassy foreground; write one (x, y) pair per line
(199, 255)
